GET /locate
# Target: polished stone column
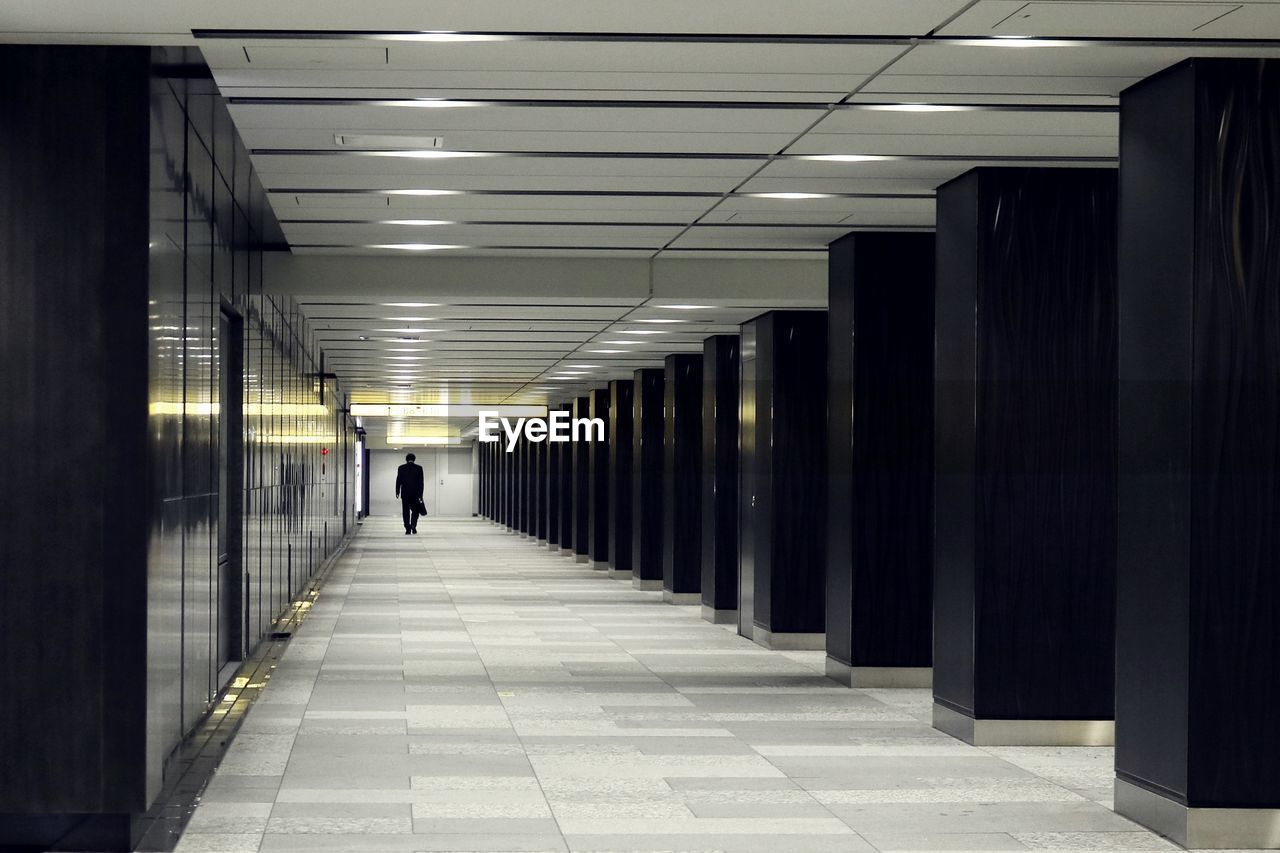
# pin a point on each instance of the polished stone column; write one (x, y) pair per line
(782, 502)
(721, 379)
(541, 451)
(598, 485)
(1025, 457)
(621, 406)
(880, 460)
(553, 489)
(582, 487)
(566, 491)
(646, 478)
(682, 480)
(1198, 638)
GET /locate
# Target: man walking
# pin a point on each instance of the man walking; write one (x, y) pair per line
(409, 485)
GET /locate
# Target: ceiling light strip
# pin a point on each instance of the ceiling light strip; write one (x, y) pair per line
(430, 36)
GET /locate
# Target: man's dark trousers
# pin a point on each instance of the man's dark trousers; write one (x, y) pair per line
(410, 507)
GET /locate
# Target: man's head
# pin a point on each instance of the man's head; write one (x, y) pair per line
(410, 458)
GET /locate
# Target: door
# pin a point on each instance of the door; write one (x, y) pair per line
(229, 383)
(747, 484)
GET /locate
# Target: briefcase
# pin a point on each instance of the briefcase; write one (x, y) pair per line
(421, 508)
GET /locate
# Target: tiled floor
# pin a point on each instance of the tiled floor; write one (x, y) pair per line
(466, 689)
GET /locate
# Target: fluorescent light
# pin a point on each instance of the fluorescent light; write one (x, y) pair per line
(582, 366)
(414, 247)
(407, 331)
(660, 320)
(686, 307)
(643, 332)
(623, 343)
(422, 192)
(409, 319)
(418, 222)
(427, 154)
(426, 103)
(843, 158)
(1014, 41)
(410, 304)
(606, 351)
(442, 36)
(916, 108)
(789, 196)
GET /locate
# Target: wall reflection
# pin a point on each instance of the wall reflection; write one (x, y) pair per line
(230, 368)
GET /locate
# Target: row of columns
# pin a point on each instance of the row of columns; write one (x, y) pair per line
(1031, 461)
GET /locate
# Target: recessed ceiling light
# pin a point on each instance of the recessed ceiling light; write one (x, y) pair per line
(790, 196)
(444, 36)
(418, 222)
(686, 307)
(660, 320)
(409, 319)
(408, 331)
(410, 304)
(425, 103)
(917, 108)
(846, 158)
(1015, 41)
(422, 192)
(427, 154)
(414, 247)
(364, 337)
(643, 332)
(405, 349)
(624, 343)
(606, 351)
(582, 366)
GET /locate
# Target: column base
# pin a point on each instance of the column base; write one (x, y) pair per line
(553, 546)
(620, 574)
(1199, 828)
(567, 552)
(785, 642)
(581, 558)
(600, 565)
(879, 676)
(1023, 732)
(719, 617)
(682, 598)
(542, 542)
(647, 584)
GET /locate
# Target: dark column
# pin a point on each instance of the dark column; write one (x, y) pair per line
(598, 484)
(528, 489)
(553, 489)
(582, 487)
(520, 498)
(539, 531)
(646, 478)
(720, 382)
(682, 480)
(621, 406)
(508, 485)
(566, 492)
(73, 339)
(1025, 518)
(880, 460)
(1198, 641)
(783, 512)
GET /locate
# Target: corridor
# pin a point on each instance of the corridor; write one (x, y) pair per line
(467, 689)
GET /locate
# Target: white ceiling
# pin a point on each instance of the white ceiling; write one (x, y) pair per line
(625, 140)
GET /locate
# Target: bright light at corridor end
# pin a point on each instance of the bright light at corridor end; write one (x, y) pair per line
(413, 247)
(441, 410)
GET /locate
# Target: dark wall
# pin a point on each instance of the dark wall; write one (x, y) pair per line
(598, 462)
(784, 408)
(682, 475)
(1198, 642)
(880, 450)
(177, 559)
(720, 381)
(621, 442)
(1026, 444)
(646, 474)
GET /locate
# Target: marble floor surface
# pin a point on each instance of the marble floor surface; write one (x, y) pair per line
(469, 690)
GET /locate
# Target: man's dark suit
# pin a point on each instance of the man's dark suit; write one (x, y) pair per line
(409, 486)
